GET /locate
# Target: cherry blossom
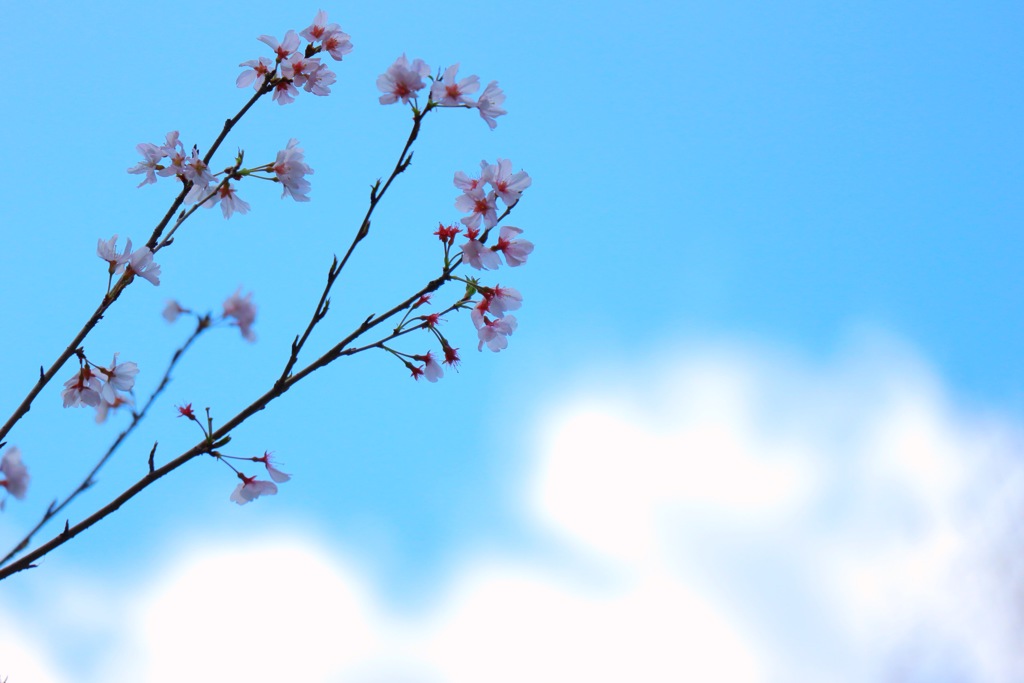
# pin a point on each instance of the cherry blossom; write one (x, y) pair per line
(285, 92)
(228, 200)
(243, 310)
(432, 370)
(478, 205)
(286, 47)
(332, 38)
(291, 170)
(16, 473)
(186, 411)
(172, 310)
(467, 184)
(82, 390)
(319, 81)
(402, 81)
(448, 92)
(252, 488)
(151, 158)
(479, 256)
(337, 44)
(141, 263)
(120, 377)
(199, 174)
(489, 104)
(298, 68)
(515, 251)
(507, 185)
(255, 74)
(495, 333)
(107, 250)
(275, 474)
(501, 299)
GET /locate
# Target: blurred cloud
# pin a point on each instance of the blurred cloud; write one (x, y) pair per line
(739, 515)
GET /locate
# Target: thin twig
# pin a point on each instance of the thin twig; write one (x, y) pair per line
(55, 508)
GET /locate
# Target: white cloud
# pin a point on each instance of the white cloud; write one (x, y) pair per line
(737, 517)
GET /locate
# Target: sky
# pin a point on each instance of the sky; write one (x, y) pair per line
(762, 418)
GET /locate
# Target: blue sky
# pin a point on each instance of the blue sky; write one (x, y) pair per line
(822, 199)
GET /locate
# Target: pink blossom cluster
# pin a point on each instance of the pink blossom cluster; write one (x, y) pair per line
(100, 387)
(139, 262)
(479, 199)
(15, 474)
(403, 81)
(190, 168)
(481, 204)
(299, 69)
(252, 488)
(289, 168)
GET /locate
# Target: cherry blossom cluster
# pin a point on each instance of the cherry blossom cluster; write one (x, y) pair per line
(289, 169)
(490, 313)
(403, 81)
(16, 478)
(481, 205)
(250, 488)
(298, 69)
(139, 262)
(430, 369)
(239, 311)
(100, 387)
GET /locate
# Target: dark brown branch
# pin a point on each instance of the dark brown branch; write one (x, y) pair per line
(54, 509)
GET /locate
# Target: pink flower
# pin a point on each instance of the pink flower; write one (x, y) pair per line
(120, 377)
(515, 250)
(243, 310)
(501, 299)
(448, 92)
(467, 184)
(285, 48)
(431, 368)
(285, 92)
(172, 310)
(507, 185)
(275, 474)
(402, 81)
(252, 488)
(141, 263)
(16, 473)
(255, 74)
(319, 81)
(490, 103)
(333, 39)
(199, 174)
(319, 28)
(186, 411)
(298, 68)
(150, 164)
(479, 256)
(291, 171)
(82, 390)
(494, 333)
(108, 252)
(337, 44)
(479, 206)
(229, 201)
